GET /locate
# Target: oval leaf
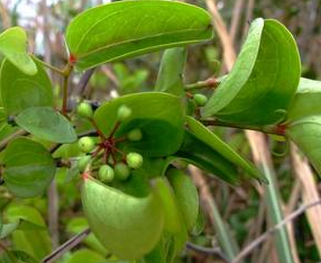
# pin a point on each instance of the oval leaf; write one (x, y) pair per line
(170, 75)
(306, 101)
(29, 168)
(128, 226)
(13, 45)
(160, 116)
(263, 81)
(47, 124)
(305, 133)
(20, 91)
(130, 28)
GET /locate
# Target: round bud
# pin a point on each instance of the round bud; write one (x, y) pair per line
(122, 171)
(83, 162)
(200, 99)
(123, 113)
(135, 135)
(134, 160)
(84, 110)
(86, 144)
(106, 173)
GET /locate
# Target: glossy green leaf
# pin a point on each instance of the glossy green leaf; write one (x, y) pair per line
(20, 91)
(35, 242)
(213, 141)
(262, 83)
(306, 101)
(129, 227)
(130, 28)
(20, 222)
(47, 124)
(13, 45)
(305, 133)
(198, 153)
(186, 195)
(28, 168)
(160, 116)
(170, 75)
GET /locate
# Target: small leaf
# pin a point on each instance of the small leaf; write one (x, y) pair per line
(262, 83)
(128, 226)
(306, 101)
(130, 28)
(28, 168)
(213, 141)
(305, 133)
(13, 45)
(160, 117)
(33, 241)
(47, 124)
(170, 75)
(20, 91)
(186, 195)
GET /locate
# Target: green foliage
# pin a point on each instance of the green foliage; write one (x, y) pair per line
(29, 167)
(130, 230)
(127, 29)
(159, 116)
(34, 90)
(13, 45)
(170, 74)
(47, 124)
(261, 85)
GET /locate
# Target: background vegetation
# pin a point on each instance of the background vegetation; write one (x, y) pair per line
(241, 214)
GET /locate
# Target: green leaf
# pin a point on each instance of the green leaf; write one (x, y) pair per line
(262, 83)
(305, 133)
(306, 101)
(47, 124)
(130, 28)
(128, 226)
(86, 256)
(13, 45)
(20, 91)
(170, 75)
(160, 116)
(28, 168)
(79, 224)
(186, 195)
(198, 153)
(213, 141)
(33, 241)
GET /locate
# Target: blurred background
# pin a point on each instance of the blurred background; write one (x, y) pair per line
(242, 210)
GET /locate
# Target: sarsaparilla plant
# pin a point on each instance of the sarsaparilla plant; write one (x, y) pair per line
(138, 201)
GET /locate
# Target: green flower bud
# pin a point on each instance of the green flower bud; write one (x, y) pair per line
(106, 173)
(84, 110)
(200, 99)
(83, 162)
(134, 160)
(86, 144)
(123, 113)
(135, 135)
(122, 171)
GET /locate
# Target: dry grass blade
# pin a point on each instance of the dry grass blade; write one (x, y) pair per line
(309, 193)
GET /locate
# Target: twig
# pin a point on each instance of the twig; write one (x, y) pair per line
(70, 244)
(236, 17)
(84, 82)
(53, 213)
(269, 232)
(209, 83)
(207, 250)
